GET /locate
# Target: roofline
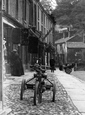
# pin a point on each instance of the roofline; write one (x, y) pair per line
(49, 15)
(66, 38)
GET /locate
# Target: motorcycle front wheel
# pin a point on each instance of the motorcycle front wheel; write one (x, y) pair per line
(37, 93)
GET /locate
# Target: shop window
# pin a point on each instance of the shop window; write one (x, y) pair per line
(16, 35)
(24, 38)
(5, 49)
(33, 45)
(7, 40)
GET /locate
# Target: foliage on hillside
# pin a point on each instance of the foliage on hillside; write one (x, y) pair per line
(70, 12)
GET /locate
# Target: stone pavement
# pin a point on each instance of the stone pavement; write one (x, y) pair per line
(75, 89)
(12, 80)
(79, 74)
(62, 106)
(4, 111)
(17, 80)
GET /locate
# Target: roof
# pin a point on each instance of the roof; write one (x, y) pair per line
(63, 40)
(75, 45)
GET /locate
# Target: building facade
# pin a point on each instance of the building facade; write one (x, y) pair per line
(72, 49)
(16, 16)
(24, 14)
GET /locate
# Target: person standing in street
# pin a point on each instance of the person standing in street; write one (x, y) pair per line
(16, 64)
(52, 64)
(60, 65)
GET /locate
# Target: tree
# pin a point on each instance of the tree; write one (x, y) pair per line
(78, 15)
(48, 5)
(63, 11)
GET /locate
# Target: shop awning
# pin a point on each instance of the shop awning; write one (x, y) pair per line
(8, 23)
(63, 40)
(12, 20)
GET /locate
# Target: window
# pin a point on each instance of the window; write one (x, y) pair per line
(35, 21)
(46, 23)
(84, 38)
(44, 19)
(25, 9)
(31, 13)
(42, 28)
(16, 9)
(44, 31)
(41, 16)
(7, 6)
(38, 26)
(38, 12)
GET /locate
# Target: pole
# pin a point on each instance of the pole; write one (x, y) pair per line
(1, 50)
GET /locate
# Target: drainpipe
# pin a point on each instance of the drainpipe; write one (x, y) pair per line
(69, 31)
(65, 56)
(1, 62)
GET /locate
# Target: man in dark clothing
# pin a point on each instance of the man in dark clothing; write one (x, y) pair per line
(52, 64)
(16, 64)
(60, 65)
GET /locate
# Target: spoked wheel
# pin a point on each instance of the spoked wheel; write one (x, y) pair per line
(54, 92)
(68, 71)
(37, 94)
(22, 89)
(40, 94)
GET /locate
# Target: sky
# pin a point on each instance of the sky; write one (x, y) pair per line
(53, 2)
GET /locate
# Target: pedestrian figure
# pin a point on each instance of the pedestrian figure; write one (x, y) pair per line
(52, 64)
(60, 65)
(16, 64)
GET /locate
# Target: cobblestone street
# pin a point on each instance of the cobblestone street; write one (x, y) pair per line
(62, 106)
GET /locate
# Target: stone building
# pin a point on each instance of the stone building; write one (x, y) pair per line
(16, 18)
(21, 15)
(72, 48)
